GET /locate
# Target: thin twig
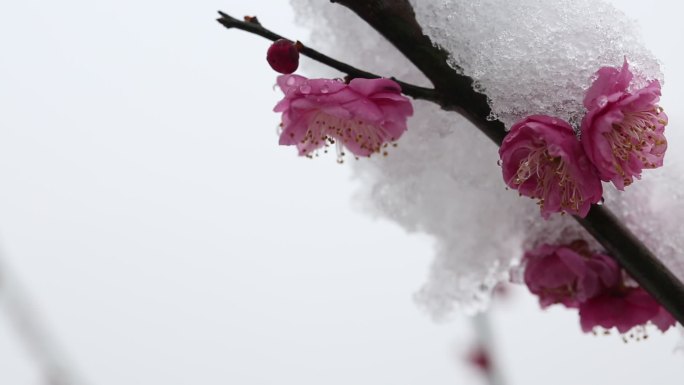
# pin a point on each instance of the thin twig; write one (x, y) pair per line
(252, 25)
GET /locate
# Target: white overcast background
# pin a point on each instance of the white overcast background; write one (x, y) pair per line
(162, 236)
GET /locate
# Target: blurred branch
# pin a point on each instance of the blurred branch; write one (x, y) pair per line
(32, 333)
(396, 21)
(485, 340)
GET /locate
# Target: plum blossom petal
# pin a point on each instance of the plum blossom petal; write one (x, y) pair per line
(624, 310)
(610, 81)
(542, 159)
(568, 274)
(593, 283)
(623, 130)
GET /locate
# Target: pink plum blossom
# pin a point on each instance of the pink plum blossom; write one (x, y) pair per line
(624, 309)
(568, 274)
(623, 130)
(593, 283)
(362, 116)
(542, 159)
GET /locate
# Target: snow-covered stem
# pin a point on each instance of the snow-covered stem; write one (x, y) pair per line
(396, 21)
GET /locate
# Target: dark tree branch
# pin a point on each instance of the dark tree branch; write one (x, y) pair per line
(636, 259)
(395, 20)
(252, 25)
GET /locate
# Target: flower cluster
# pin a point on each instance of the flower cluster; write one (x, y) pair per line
(576, 277)
(621, 134)
(363, 116)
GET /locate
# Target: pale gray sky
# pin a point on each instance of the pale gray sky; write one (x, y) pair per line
(165, 238)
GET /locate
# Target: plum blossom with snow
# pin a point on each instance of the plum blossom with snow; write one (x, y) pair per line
(623, 131)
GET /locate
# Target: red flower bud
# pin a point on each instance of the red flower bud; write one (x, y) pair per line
(283, 56)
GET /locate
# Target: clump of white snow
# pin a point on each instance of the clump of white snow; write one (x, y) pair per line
(533, 56)
(529, 57)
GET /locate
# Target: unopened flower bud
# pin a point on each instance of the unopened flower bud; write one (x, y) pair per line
(283, 56)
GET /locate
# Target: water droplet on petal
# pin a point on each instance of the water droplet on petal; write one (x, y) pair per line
(290, 81)
(554, 149)
(325, 89)
(602, 101)
(305, 89)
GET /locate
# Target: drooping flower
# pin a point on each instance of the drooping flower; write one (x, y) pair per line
(283, 56)
(362, 116)
(594, 284)
(624, 309)
(623, 130)
(542, 159)
(568, 274)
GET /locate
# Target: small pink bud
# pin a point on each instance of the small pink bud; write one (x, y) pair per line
(283, 56)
